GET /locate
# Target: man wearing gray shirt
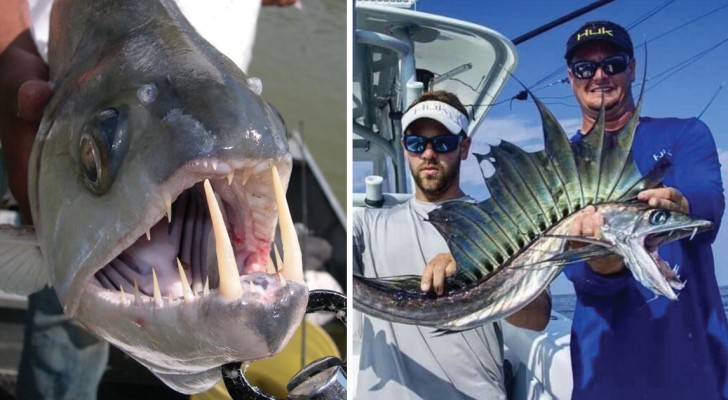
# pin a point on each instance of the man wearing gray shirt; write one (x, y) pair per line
(407, 361)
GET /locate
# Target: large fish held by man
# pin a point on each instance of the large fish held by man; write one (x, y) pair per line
(148, 127)
(511, 246)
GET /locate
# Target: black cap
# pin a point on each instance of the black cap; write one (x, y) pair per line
(600, 30)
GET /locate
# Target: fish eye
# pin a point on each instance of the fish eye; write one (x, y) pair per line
(659, 217)
(100, 141)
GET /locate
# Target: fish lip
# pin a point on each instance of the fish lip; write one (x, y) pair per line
(208, 332)
(185, 178)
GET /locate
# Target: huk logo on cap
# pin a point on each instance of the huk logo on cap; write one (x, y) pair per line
(590, 32)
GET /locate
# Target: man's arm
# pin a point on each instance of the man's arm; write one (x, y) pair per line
(535, 316)
(23, 92)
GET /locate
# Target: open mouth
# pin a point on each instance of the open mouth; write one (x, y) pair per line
(213, 239)
(654, 240)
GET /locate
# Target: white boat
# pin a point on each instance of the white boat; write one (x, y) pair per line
(399, 53)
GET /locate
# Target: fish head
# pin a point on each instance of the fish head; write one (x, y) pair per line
(139, 119)
(636, 230)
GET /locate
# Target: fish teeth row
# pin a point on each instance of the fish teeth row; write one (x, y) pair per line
(289, 266)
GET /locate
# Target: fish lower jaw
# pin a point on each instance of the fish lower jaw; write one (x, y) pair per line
(185, 342)
(256, 286)
(669, 273)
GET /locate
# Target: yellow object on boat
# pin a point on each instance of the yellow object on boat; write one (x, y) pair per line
(272, 374)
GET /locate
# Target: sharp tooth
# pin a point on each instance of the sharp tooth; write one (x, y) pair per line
(292, 268)
(270, 268)
(214, 165)
(149, 233)
(279, 260)
(123, 295)
(189, 295)
(137, 295)
(251, 286)
(230, 178)
(230, 287)
(283, 279)
(157, 293)
(206, 289)
(169, 211)
(169, 298)
(246, 176)
(695, 230)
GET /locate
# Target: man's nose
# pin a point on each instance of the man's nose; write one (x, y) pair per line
(429, 152)
(599, 73)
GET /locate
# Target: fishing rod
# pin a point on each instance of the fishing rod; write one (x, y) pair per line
(711, 99)
(559, 21)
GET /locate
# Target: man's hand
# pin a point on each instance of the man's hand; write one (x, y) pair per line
(24, 91)
(665, 197)
(589, 224)
(436, 271)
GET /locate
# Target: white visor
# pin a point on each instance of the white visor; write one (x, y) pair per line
(449, 116)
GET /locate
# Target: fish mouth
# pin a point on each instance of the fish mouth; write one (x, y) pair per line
(652, 241)
(195, 287)
(216, 231)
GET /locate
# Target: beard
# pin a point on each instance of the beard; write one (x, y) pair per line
(438, 183)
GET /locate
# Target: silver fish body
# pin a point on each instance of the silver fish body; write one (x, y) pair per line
(511, 246)
(144, 110)
(521, 279)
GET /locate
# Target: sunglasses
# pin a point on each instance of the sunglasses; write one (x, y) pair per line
(440, 144)
(611, 66)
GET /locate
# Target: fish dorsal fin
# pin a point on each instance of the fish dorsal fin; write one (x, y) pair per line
(532, 192)
(22, 267)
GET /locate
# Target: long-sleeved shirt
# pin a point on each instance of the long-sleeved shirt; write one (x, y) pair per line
(401, 361)
(626, 343)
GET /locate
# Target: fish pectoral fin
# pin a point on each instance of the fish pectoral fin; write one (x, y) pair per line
(585, 253)
(583, 239)
(570, 256)
(443, 332)
(22, 267)
(408, 283)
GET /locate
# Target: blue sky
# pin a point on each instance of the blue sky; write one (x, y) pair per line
(683, 72)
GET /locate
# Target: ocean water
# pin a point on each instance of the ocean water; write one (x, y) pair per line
(564, 303)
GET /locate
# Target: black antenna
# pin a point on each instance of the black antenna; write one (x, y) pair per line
(720, 87)
(553, 24)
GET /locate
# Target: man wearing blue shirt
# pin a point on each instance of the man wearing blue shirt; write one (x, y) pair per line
(625, 343)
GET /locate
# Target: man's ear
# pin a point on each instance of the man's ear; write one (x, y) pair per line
(569, 74)
(465, 148)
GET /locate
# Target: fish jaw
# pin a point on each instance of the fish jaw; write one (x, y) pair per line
(210, 330)
(182, 339)
(637, 230)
